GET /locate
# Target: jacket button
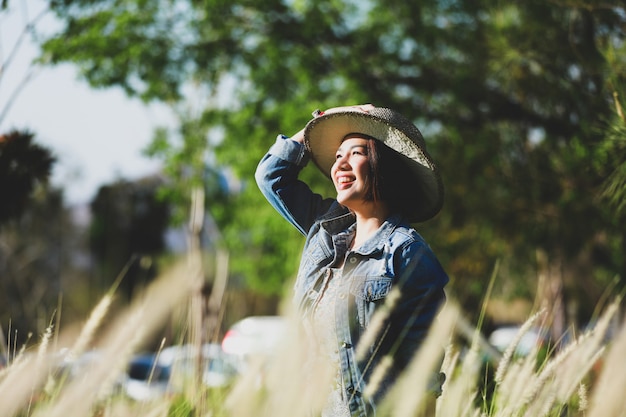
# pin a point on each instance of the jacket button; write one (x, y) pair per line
(346, 345)
(352, 260)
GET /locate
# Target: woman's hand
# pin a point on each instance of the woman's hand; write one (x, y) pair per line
(298, 137)
(364, 108)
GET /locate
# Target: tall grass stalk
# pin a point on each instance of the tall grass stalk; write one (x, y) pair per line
(277, 388)
(420, 377)
(584, 377)
(510, 350)
(608, 399)
(88, 331)
(530, 391)
(144, 317)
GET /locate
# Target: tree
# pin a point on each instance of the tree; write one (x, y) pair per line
(512, 99)
(23, 166)
(38, 253)
(127, 232)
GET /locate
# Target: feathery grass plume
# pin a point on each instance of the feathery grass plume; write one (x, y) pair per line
(25, 377)
(81, 394)
(586, 357)
(516, 377)
(21, 353)
(608, 399)
(97, 315)
(89, 329)
(378, 375)
(18, 388)
(583, 402)
(376, 331)
(414, 390)
(557, 382)
(460, 387)
(42, 352)
(295, 381)
(540, 393)
(510, 350)
(45, 341)
(542, 408)
(457, 398)
(121, 357)
(509, 397)
(146, 314)
(375, 328)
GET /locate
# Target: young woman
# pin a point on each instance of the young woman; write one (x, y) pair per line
(362, 263)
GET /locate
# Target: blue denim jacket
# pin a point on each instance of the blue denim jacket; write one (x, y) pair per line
(395, 258)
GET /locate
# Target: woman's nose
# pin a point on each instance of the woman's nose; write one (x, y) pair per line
(343, 160)
(342, 163)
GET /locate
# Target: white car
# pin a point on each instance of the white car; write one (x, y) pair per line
(253, 336)
(153, 375)
(218, 368)
(503, 336)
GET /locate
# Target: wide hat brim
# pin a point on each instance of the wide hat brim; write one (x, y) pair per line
(324, 134)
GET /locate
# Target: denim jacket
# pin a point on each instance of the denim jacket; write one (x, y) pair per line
(395, 261)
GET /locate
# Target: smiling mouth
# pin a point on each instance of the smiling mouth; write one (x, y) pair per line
(344, 182)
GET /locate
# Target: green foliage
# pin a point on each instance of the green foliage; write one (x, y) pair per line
(180, 406)
(511, 98)
(610, 160)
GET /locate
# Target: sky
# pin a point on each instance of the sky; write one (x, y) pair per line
(96, 135)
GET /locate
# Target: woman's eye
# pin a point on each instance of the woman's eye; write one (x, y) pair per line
(337, 156)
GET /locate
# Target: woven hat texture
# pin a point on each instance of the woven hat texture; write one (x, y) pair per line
(323, 135)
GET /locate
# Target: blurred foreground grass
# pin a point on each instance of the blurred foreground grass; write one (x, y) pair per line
(584, 377)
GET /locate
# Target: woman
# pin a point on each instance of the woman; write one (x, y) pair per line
(362, 262)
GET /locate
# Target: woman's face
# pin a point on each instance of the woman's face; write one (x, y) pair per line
(350, 172)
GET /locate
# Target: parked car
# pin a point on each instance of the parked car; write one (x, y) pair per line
(502, 337)
(253, 336)
(218, 368)
(146, 378)
(153, 375)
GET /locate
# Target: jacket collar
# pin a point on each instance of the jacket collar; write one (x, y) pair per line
(339, 218)
(375, 242)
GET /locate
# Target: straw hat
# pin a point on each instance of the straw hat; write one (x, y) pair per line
(323, 135)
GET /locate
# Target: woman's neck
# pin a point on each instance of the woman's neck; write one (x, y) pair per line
(367, 224)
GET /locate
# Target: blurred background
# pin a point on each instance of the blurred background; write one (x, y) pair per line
(119, 116)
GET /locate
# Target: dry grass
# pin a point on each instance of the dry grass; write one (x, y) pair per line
(584, 378)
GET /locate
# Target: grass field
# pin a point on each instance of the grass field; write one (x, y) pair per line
(585, 377)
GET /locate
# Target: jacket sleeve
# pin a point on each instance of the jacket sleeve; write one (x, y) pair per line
(277, 178)
(421, 280)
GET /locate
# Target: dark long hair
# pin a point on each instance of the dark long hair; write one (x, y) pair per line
(388, 177)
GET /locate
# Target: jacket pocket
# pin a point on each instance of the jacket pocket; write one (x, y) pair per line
(369, 293)
(371, 289)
